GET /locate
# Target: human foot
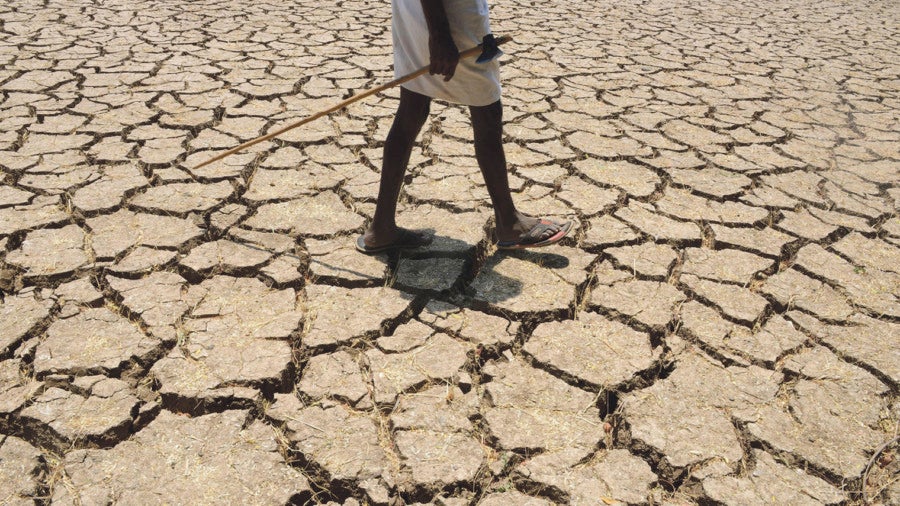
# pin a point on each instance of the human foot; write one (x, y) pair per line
(529, 232)
(371, 243)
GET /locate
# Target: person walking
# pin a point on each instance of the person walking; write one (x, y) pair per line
(429, 32)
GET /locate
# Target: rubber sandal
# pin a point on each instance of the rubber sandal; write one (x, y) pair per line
(408, 239)
(531, 239)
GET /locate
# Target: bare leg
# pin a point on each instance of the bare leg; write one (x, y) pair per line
(411, 115)
(487, 123)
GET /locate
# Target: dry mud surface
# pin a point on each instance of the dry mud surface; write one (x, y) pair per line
(723, 326)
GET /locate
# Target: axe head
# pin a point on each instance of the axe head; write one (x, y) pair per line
(489, 49)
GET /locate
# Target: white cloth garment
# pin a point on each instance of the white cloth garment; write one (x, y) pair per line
(473, 83)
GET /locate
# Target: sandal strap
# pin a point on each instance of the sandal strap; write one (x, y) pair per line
(537, 232)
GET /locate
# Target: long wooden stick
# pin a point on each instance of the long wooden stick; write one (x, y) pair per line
(468, 53)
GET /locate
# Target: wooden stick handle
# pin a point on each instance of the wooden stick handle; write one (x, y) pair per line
(468, 53)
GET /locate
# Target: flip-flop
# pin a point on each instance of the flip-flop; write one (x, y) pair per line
(408, 239)
(531, 239)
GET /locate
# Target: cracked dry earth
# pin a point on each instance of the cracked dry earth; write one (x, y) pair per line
(722, 328)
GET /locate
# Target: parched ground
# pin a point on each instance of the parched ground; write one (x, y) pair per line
(723, 327)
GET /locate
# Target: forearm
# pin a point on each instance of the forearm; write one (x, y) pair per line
(444, 54)
(436, 19)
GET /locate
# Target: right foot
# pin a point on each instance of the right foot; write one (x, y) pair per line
(531, 232)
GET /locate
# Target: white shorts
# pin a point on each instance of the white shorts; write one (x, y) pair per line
(473, 83)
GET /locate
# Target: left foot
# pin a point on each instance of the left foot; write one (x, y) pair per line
(402, 238)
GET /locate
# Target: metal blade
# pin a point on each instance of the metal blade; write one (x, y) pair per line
(490, 50)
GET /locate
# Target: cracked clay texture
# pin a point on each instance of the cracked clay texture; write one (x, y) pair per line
(721, 327)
